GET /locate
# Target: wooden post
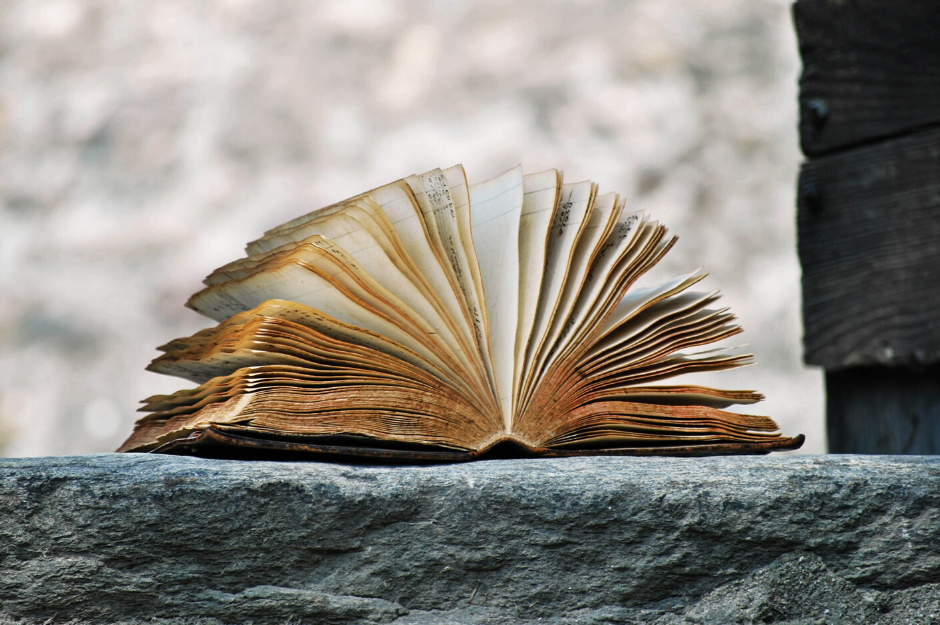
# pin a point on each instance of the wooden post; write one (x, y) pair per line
(868, 213)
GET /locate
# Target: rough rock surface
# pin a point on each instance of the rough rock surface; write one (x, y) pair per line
(134, 538)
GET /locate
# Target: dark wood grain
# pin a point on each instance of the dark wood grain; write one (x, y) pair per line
(881, 410)
(869, 243)
(871, 69)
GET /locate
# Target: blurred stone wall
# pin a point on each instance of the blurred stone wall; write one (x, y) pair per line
(142, 143)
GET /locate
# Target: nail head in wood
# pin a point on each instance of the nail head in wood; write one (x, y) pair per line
(811, 197)
(818, 111)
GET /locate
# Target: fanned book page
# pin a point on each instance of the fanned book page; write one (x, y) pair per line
(439, 321)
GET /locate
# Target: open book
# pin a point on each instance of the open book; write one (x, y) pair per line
(430, 319)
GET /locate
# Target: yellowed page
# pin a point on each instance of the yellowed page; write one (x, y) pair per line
(676, 395)
(297, 221)
(648, 247)
(674, 306)
(316, 320)
(648, 243)
(333, 224)
(637, 300)
(264, 339)
(496, 210)
(298, 282)
(372, 255)
(538, 210)
(460, 194)
(701, 328)
(600, 223)
(708, 360)
(433, 196)
(574, 204)
(398, 203)
(614, 249)
(371, 217)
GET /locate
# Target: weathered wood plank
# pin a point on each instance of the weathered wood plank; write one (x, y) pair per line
(869, 243)
(871, 69)
(881, 410)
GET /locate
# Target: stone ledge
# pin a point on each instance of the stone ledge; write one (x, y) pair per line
(802, 539)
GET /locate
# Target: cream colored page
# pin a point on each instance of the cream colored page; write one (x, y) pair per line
(223, 363)
(349, 235)
(496, 210)
(642, 246)
(706, 356)
(460, 194)
(611, 294)
(317, 320)
(370, 217)
(254, 246)
(398, 204)
(323, 257)
(639, 299)
(333, 225)
(624, 235)
(686, 395)
(405, 215)
(343, 227)
(437, 206)
(600, 223)
(601, 277)
(400, 256)
(627, 331)
(327, 257)
(574, 202)
(711, 327)
(540, 196)
(293, 223)
(700, 328)
(295, 283)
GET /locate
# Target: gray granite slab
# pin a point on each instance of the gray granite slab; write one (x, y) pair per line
(801, 539)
